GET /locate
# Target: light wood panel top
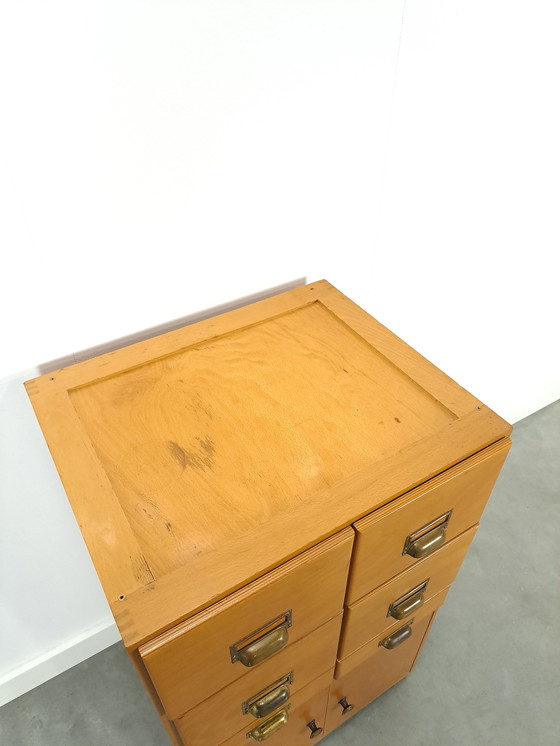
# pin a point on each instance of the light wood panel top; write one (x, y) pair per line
(225, 438)
(225, 435)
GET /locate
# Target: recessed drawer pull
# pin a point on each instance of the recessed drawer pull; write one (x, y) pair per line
(397, 638)
(267, 704)
(409, 603)
(264, 647)
(427, 539)
(257, 647)
(269, 727)
(267, 700)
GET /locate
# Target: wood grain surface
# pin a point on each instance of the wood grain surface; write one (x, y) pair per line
(218, 439)
(203, 458)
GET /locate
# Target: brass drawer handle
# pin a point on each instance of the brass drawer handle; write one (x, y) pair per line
(269, 727)
(270, 702)
(253, 649)
(427, 539)
(409, 603)
(398, 637)
(264, 647)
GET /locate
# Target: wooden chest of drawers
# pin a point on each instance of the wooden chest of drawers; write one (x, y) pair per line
(276, 501)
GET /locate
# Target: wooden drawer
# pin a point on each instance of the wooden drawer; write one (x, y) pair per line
(410, 627)
(373, 676)
(369, 616)
(460, 494)
(199, 657)
(224, 713)
(307, 705)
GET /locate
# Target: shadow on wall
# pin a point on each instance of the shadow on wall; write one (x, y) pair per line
(154, 331)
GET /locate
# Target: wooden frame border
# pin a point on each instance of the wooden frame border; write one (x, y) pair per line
(144, 606)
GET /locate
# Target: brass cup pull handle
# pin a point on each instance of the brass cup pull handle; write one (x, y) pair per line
(264, 647)
(269, 727)
(263, 642)
(427, 539)
(427, 543)
(314, 728)
(398, 637)
(270, 702)
(408, 606)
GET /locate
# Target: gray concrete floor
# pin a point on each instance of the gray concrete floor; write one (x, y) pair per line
(489, 673)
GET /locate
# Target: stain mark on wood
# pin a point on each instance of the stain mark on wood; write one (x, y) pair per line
(140, 568)
(201, 458)
(178, 453)
(200, 407)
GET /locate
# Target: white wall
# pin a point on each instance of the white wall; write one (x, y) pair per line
(471, 196)
(52, 610)
(161, 158)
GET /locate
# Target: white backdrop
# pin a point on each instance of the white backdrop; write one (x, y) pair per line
(161, 158)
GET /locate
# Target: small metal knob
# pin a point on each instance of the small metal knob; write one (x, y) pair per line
(346, 708)
(314, 728)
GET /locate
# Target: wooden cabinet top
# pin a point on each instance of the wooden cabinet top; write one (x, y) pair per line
(202, 458)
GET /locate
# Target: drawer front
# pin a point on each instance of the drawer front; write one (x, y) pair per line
(404, 596)
(388, 644)
(374, 675)
(294, 725)
(279, 679)
(221, 644)
(396, 536)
